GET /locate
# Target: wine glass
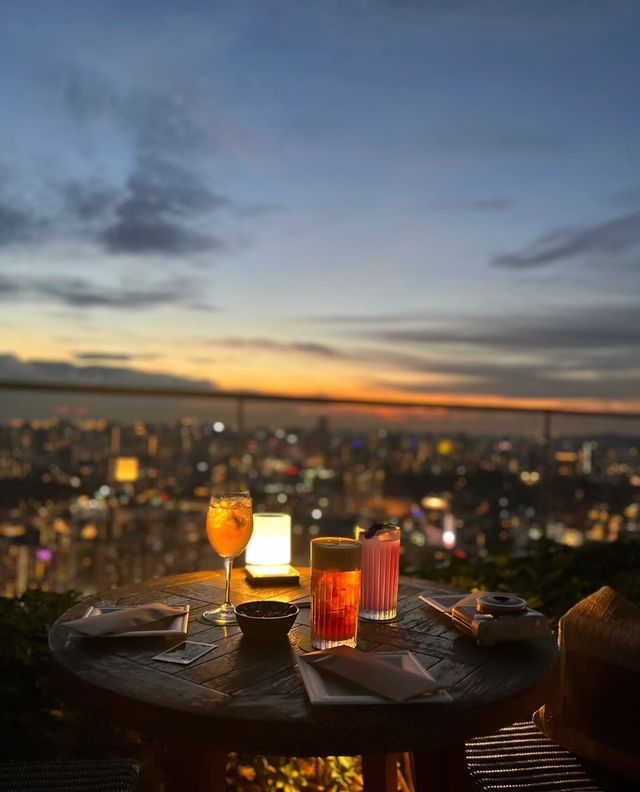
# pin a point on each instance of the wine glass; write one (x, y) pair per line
(229, 528)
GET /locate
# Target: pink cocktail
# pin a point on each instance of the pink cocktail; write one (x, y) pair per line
(380, 567)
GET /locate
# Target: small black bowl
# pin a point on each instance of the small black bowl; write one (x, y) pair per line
(266, 620)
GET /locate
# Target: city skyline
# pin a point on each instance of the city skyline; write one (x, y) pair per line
(356, 199)
(88, 504)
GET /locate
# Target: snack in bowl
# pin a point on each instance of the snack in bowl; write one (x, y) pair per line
(266, 620)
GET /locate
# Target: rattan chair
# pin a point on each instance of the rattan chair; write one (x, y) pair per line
(520, 757)
(93, 775)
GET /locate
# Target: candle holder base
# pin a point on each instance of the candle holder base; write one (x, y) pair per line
(265, 575)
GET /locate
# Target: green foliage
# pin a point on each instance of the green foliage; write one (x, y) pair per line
(553, 578)
(30, 705)
(35, 720)
(315, 774)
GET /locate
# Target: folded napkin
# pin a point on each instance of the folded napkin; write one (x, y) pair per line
(143, 617)
(372, 673)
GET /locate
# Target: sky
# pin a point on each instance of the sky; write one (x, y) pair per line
(403, 199)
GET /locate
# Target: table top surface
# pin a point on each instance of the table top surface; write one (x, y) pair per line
(251, 693)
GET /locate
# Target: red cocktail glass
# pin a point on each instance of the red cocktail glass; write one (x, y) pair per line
(335, 591)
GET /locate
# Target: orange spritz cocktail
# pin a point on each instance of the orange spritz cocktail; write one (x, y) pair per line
(229, 528)
(229, 525)
(335, 591)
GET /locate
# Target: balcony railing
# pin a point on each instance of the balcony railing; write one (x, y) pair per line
(242, 398)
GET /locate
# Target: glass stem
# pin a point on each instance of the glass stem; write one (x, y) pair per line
(228, 563)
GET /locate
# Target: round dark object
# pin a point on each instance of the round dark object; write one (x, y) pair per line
(266, 619)
(500, 604)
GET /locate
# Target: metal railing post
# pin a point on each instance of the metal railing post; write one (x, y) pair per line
(546, 435)
(547, 490)
(240, 415)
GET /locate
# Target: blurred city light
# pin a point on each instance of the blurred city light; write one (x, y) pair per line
(126, 469)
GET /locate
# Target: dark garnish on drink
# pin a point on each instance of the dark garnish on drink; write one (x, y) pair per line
(376, 527)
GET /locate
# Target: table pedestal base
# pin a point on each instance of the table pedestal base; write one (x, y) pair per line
(380, 772)
(442, 770)
(201, 770)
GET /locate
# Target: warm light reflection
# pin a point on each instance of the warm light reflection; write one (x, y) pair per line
(433, 502)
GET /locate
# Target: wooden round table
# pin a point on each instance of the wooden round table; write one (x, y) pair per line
(249, 697)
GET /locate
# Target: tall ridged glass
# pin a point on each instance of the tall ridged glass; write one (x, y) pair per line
(335, 591)
(380, 568)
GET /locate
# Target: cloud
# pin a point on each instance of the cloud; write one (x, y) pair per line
(304, 347)
(78, 204)
(89, 201)
(14, 368)
(201, 359)
(162, 207)
(114, 356)
(314, 349)
(78, 293)
(86, 93)
(467, 132)
(161, 121)
(595, 326)
(495, 204)
(579, 351)
(584, 373)
(384, 319)
(609, 238)
(534, 385)
(81, 293)
(9, 287)
(160, 210)
(156, 213)
(19, 225)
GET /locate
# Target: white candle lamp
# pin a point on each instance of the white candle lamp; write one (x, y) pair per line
(268, 554)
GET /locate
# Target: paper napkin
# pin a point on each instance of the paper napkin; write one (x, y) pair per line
(143, 617)
(372, 673)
